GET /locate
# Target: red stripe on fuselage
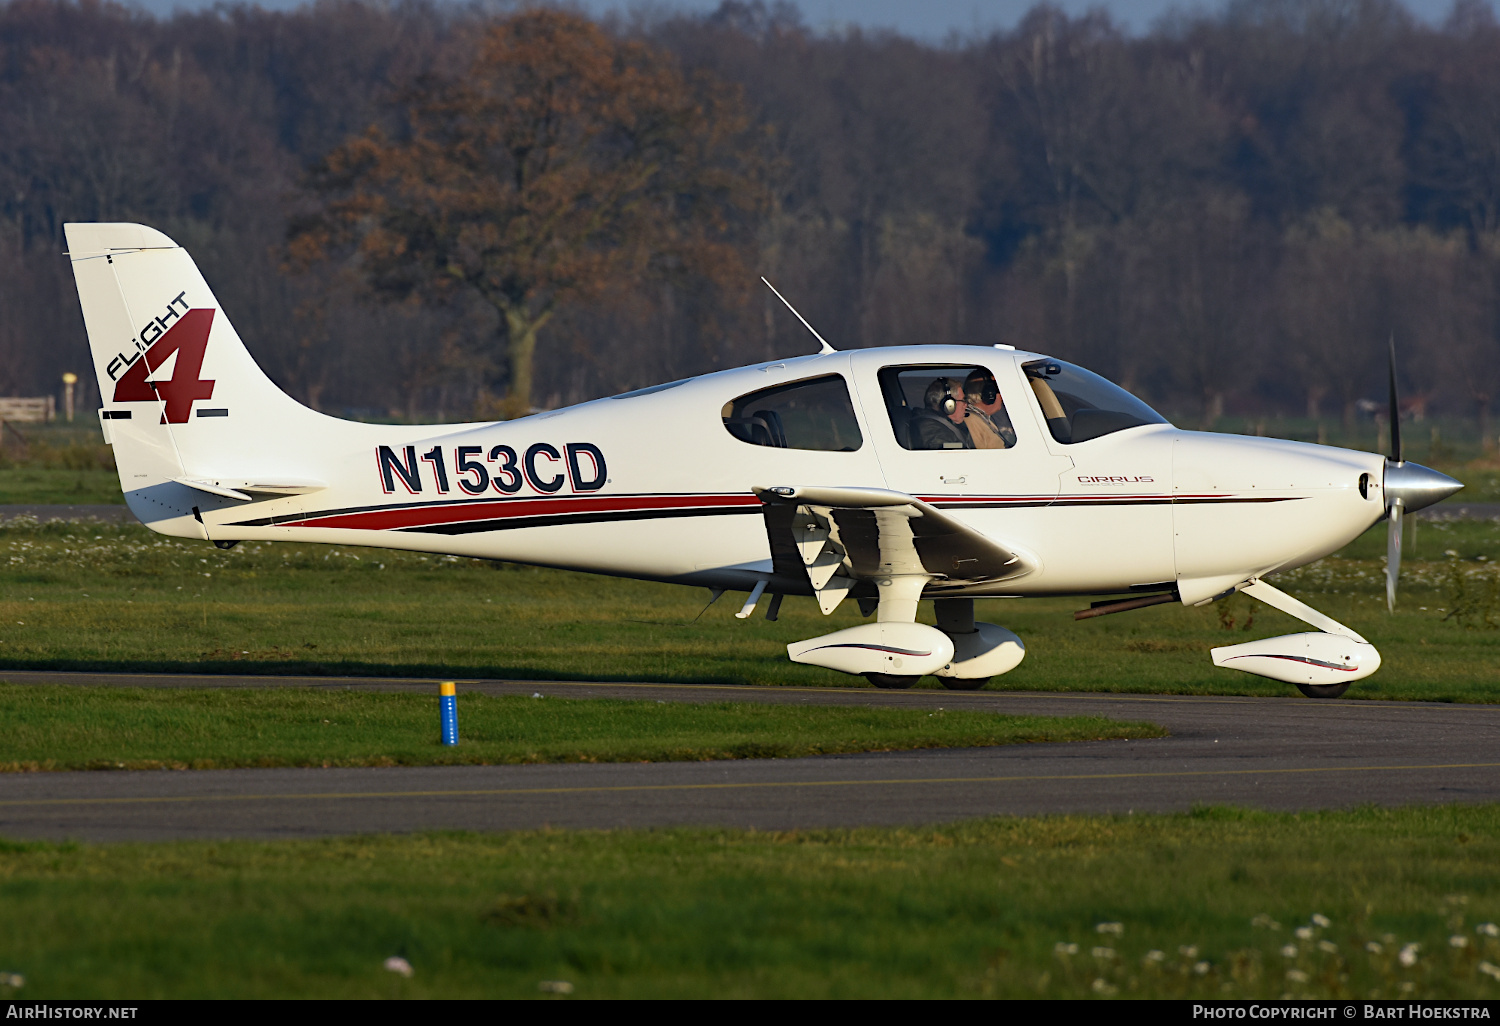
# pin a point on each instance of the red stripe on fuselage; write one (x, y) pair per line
(505, 509)
(1097, 497)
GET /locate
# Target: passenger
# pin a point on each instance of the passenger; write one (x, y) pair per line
(989, 425)
(941, 424)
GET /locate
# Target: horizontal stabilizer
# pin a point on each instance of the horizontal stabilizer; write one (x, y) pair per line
(242, 490)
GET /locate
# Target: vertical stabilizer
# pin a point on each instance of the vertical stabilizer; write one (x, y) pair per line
(182, 398)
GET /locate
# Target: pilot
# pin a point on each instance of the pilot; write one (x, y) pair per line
(989, 425)
(941, 424)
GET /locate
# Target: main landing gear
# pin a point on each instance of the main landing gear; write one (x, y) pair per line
(895, 652)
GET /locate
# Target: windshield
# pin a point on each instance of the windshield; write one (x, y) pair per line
(1080, 405)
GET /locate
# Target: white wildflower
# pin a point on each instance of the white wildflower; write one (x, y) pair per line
(1104, 954)
(1064, 948)
(397, 964)
(1102, 986)
(555, 987)
(1408, 956)
(1488, 929)
(1188, 951)
(1319, 919)
(1155, 956)
(1374, 947)
(1327, 946)
(1289, 951)
(1485, 967)
(1118, 929)
(1296, 975)
(1304, 933)
(1458, 940)
(1201, 968)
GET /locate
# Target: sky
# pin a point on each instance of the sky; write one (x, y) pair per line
(931, 20)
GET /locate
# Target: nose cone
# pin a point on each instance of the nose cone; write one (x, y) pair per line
(1417, 486)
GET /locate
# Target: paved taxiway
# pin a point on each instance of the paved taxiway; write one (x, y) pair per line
(1289, 753)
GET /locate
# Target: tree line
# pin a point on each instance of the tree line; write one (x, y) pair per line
(1230, 214)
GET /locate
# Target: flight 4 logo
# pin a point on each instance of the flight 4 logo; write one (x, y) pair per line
(184, 333)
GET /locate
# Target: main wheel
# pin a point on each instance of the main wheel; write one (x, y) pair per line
(1322, 690)
(893, 681)
(964, 683)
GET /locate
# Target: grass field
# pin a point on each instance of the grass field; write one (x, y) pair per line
(118, 597)
(55, 728)
(1216, 904)
(22, 486)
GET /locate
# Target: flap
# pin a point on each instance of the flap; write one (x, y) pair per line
(865, 533)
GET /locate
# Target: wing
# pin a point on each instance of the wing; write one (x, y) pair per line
(840, 536)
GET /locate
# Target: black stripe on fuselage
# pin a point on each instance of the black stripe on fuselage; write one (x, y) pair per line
(560, 519)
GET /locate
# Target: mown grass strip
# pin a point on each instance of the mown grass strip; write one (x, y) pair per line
(55, 727)
(1219, 903)
(105, 597)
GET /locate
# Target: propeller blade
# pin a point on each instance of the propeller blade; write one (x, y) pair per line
(1395, 408)
(1393, 555)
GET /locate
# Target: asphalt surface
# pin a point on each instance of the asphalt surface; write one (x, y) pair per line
(1289, 754)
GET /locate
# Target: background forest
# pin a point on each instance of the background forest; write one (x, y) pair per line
(1228, 215)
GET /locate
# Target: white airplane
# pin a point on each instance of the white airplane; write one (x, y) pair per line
(885, 476)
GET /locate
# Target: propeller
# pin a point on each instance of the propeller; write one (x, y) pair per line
(1408, 487)
(1397, 505)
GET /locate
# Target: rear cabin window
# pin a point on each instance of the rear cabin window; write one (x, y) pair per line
(813, 414)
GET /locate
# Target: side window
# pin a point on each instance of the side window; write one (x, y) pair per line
(812, 414)
(946, 407)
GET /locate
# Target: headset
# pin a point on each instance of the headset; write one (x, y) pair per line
(950, 401)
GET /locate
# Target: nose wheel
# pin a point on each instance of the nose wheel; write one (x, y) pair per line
(891, 681)
(1322, 690)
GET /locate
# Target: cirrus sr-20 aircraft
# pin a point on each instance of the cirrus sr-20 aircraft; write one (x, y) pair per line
(880, 476)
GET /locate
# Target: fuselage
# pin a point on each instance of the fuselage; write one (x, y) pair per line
(658, 484)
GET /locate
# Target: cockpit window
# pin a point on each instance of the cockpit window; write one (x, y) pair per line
(946, 407)
(1080, 405)
(811, 414)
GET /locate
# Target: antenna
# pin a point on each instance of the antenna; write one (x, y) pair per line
(826, 347)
